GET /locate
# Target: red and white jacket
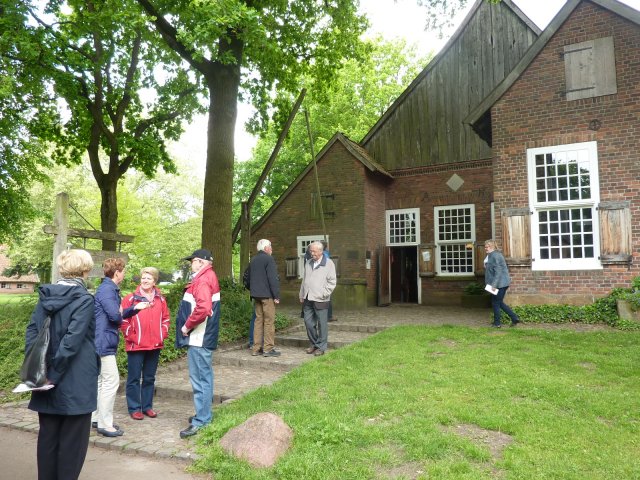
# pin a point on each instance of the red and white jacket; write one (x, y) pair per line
(147, 329)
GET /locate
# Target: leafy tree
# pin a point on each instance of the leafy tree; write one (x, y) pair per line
(257, 51)
(162, 213)
(362, 91)
(20, 90)
(99, 58)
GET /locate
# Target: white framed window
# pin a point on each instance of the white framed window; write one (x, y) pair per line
(563, 195)
(455, 227)
(403, 227)
(303, 242)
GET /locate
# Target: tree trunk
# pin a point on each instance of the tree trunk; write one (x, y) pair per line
(218, 183)
(109, 209)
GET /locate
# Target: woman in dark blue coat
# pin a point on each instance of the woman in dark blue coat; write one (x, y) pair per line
(496, 275)
(64, 410)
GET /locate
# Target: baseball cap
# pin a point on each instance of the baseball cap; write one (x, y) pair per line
(200, 253)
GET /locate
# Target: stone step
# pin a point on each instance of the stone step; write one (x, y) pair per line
(236, 372)
(241, 357)
(345, 327)
(337, 339)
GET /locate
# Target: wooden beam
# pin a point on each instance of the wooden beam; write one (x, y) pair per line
(269, 164)
(93, 234)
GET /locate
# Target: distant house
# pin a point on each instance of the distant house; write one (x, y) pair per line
(564, 127)
(407, 208)
(15, 284)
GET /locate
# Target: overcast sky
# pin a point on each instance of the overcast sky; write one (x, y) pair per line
(392, 19)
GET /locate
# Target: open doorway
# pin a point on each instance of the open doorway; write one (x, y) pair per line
(404, 274)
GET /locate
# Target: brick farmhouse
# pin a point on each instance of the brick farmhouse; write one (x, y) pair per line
(511, 133)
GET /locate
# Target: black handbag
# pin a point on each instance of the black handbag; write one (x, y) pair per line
(33, 372)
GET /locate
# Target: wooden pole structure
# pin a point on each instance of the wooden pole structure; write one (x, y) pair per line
(245, 239)
(61, 222)
(267, 167)
(315, 170)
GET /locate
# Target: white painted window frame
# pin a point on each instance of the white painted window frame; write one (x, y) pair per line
(539, 264)
(302, 242)
(440, 243)
(413, 215)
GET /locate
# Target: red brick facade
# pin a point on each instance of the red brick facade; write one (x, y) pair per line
(340, 174)
(535, 113)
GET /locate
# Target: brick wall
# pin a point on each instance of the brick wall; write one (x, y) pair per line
(427, 188)
(341, 174)
(535, 113)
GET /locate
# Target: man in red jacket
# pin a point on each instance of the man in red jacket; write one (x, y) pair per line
(197, 326)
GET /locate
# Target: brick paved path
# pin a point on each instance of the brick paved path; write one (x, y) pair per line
(236, 373)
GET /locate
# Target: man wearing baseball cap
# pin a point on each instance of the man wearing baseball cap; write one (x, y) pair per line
(197, 326)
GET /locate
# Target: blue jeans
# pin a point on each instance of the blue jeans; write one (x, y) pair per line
(142, 363)
(497, 302)
(201, 377)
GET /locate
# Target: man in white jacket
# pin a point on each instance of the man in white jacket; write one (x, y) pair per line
(315, 292)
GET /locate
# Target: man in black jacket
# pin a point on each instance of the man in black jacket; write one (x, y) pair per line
(265, 291)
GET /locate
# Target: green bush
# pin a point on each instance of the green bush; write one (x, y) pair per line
(603, 310)
(14, 318)
(474, 288)
(633, 295)
(236, 311)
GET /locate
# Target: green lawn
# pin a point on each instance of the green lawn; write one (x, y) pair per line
(16, 297)
(453, 403)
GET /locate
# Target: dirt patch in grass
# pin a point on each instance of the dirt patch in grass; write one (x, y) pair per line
(588, 366)
(409, 471)
(496, 442)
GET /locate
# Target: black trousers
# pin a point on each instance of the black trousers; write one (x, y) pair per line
(62, 445)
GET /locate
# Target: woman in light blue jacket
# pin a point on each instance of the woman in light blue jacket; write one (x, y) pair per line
(496, 275)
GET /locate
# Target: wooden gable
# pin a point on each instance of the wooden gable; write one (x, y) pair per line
(424, 126)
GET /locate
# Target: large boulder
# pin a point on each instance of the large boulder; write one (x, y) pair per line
(260, 440)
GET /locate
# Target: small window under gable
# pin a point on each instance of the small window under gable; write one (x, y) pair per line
(590, 69)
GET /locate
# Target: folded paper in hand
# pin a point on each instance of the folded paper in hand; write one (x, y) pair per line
(23, 387)
(491, 290)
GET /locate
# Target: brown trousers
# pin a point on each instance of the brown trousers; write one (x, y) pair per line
(265, 325)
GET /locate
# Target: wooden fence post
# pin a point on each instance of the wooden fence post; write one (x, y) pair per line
(61, 222)
(245, 239)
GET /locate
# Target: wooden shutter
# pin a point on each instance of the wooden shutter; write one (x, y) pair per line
(426, 260)
(479, 260)
(291, 267)
(615, 232)
(328, 208)
(590, 69)
(516, 236)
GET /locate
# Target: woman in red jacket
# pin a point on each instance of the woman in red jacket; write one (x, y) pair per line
(144, 335)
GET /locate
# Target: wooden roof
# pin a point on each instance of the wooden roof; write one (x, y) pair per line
(441, 54)
(479, 117)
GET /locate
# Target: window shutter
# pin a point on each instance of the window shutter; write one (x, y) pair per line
(516, 236)
(480, 254)
(291, 267)
(615, 232)
(590, 69)
(427, 259)
(328, 208)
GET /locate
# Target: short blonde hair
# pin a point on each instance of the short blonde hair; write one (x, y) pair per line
(74, 263)
(491, 243)
(153, 271)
